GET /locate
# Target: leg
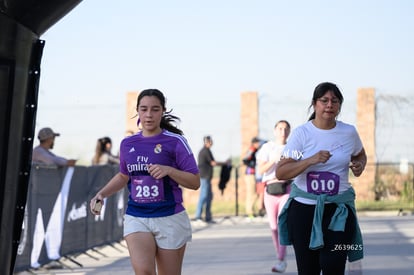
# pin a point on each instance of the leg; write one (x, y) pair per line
(203, 197)
(142, 251)
(171, 234)
(300, 218)
(332, 259)
(250, 181)
(169, 261)
(270, 204)
(260, 198)
(274, 204)
(209, 199)
(281, 201)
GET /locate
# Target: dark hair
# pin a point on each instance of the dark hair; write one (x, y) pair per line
(103, 142)
(101, 149)
(321, 90)
(206, 139)
(283, 121)
(167, 118)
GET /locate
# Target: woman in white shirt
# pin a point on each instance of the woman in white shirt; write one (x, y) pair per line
(319, 218)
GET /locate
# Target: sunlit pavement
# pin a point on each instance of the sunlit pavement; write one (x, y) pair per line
(239, 245)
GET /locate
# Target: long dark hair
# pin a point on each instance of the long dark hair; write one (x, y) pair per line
(167, 118)
(101, 149)
(321, 90)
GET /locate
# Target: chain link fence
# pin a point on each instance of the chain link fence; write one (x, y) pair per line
(394, 183)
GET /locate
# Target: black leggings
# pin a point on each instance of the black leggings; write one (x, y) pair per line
(331, 259)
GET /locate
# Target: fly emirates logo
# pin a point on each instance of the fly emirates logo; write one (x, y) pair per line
(141, 164)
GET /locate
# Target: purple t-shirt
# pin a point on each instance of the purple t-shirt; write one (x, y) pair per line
(150, 197)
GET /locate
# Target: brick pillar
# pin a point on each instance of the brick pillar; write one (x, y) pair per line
(249, 125)
(364, 185)
(249, 119)
(131, 106)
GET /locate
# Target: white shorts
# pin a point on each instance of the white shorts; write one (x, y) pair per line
(170, 232)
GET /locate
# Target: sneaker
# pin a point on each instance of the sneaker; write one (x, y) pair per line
(280, 267)
(198, 222)
(249, 218)
(262, 212)
(54, 265)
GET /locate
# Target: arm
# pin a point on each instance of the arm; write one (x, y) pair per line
(249, 155)
(213, 162)
(113, 159)
(358, 163)
(114, 185)
(71, 162)
(288, 168)
(264, 166)
(220, 163)
(185, 179)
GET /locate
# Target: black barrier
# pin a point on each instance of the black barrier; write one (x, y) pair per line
(57, 220)
(21, 24)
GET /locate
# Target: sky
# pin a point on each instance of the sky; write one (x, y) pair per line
(203, 54)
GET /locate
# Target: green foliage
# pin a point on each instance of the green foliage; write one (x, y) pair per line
(384, 205)
(219, 209)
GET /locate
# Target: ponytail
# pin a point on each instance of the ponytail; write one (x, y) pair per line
(166, 123)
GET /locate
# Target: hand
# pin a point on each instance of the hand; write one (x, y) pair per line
(93, 202)
(357, 167)
(321, 157)
(71, 162)
(158, 171)
(274, 159)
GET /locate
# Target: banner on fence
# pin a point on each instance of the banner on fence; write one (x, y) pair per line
(57, 220)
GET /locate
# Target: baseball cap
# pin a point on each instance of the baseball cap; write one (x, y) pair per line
(46, 133)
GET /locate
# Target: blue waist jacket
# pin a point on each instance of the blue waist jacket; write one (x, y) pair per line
(337, 222)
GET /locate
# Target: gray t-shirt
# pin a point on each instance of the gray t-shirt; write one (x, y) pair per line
(44, 156)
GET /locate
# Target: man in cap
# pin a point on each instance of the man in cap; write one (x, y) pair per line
(206, 162)
(43, 155)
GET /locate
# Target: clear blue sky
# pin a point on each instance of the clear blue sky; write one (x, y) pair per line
(203, 54)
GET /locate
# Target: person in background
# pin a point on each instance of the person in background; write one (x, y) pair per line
(206, 163)
(250, 175)
(103, 153)
(319, 219)
(267, 158)
(155, 164)
(42, 155)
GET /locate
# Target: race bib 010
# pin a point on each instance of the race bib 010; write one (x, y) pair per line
(322, 183)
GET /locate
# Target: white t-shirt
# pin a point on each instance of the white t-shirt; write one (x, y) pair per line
(269, 150)
(342, 142)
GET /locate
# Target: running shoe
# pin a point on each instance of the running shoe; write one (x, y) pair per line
(280, 267)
